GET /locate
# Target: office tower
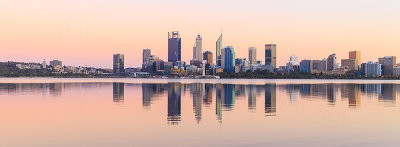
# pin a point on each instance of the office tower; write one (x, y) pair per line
(371, 69)
(118, 92)
(197, 49)
(118, 63)
(56, 63)
(174, 46)
(352, 64)
(229, 59)
(253, 55)
(146, 56)
(319, 65)
(355, 55)
(218, 52)
(208, 56)
(305, 66)
(270, 99)
(388, 63)
(331, 62)
(270, 54)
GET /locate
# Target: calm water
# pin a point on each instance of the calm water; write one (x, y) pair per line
(151, 112)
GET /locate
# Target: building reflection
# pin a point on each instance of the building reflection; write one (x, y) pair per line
(174, 103)
(218, 101)
(270, 99)
(331, 93)
(197, 91)
(150, 92)
(55, 89)
(118, 92)
(229, 97)
(388, 93)
(207, 100)
(252, 99)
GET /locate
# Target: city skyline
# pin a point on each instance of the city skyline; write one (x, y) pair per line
(81, 36)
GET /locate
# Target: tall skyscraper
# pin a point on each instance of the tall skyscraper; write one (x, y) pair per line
(253, 55)
(355, 55)
(371, 69)
(118, 63)
(208, 56)
(146, 56)
(218, 52)
(174, 46)
(197, 49)
(270, 54)
(331, 62)
(229, 59)
(388, 63)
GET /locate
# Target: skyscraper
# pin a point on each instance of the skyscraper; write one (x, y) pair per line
(208, 56)
(331, 62)
(355, 55)
(253, 55)
(218, 51)
(270, 54)
(174, 46)
(197, 49)
(388, 63)
(146, 56)
(118, 63)
(229, 59)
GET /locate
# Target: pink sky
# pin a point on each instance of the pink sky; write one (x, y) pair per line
(88, 33)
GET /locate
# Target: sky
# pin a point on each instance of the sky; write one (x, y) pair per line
(87, 33)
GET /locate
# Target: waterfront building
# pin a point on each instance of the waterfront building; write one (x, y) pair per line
(55, 63)
(174, 46)
(305, 66)
(352, 64)
(355, 55)
(331, 62)
(118, 63)
(229, 59)
(197, 49)
(371, 69)
(146, 56)
(218, 51)
(253, 55)
(388, 63)
(270, 54)
(208, 56)
(319, 66)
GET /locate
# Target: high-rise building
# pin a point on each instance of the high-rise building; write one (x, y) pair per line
(388, 63)
(55, 63)
(306, 66)
(146, 56)
(229, 59)
(350, 63)
(319, 65)
(270, 54)
(174, 46)
(371, 69)
(118, 63)
(218, 52)
(208, 56)
(331, 62)
(355, 55)
(253, 55)
(197, 49)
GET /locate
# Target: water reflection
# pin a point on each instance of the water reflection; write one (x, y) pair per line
(174, 103)
(225, 97)
(118, 92)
